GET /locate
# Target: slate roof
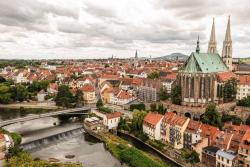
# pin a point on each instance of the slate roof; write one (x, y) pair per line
(205, 63)
(225, 154)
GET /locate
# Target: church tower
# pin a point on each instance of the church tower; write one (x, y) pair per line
(212, 48)
(227, 47)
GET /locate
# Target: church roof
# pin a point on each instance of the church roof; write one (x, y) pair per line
(205, 63)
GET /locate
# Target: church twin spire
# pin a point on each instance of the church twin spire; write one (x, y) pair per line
(212, 45)
(227, 45)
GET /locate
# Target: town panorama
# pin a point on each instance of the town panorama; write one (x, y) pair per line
(124, 83)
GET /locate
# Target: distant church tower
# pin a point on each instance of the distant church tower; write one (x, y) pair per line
(136, 59)
(227, 47)
(212, 48)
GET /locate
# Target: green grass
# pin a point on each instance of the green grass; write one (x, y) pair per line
(130, 155)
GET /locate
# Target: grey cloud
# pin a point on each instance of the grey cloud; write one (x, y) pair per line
(30, 14)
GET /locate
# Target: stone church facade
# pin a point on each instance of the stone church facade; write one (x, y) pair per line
(203, 75)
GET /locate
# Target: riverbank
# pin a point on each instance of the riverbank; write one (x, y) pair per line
(126, 153)
(170, 159)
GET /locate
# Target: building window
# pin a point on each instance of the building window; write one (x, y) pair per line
(228, 161)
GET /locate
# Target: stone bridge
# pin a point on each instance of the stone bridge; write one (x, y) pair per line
(82, 110)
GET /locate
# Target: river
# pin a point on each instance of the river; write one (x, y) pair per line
(86, 149)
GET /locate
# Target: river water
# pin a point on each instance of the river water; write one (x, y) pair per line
(86, 149)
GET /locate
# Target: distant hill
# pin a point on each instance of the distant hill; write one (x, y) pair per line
(174, 56)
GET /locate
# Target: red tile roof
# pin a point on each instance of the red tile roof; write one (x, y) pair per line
(87, 88)
(225, 76)
(113, 115)
(193, 126)
(245, 138)
(124, 95)
(244, 79)
(152, 118)
(171, 76)
(209, 131)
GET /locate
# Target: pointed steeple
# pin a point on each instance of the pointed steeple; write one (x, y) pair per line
(227, 47)
(136, 55)
(228, 31)
(212, 48)
(198, 45)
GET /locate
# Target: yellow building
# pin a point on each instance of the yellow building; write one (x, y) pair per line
(89, 96)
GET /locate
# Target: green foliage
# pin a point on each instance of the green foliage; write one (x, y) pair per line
(176, 95)
(163, 94)
(17, 138)
(154, 75)
(231, 118)
(157, 144)
(230, 90)
(5, 95)
(19, 93)
(161, 109)
(134, 158)
(137, 120)
(245, 102)
(191, 157)
(105, 110)
(140, 106)
(123, 125)
(79, 98)
(153, 107)
(99, 103)
(211, 116)
(37, 86)
(64, 97)
(19, 63)
(141, 135)
(248, 121)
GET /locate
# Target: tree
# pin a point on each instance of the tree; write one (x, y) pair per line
(191, 157)
(64, 97)
(176, 95)
(79, 98)
(153, 107)
(154, 75)
(230, 90)
(231, 118)
(161, 109)
(99, 103)
(211, 116)
(163, 94)
(5, 95)
(37, 86)
(139, 106)
(19, 92)
(248, 120)
(245, 102)
(137, 120)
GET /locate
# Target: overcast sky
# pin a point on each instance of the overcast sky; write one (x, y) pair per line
(99, 28)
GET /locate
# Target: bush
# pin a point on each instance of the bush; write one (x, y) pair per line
(156, 144)
(135, 158)
(17, 139)
(141, 135)
(140, 107)
(105, 110)
(191, 157)
(231, 118)
(245, 102)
